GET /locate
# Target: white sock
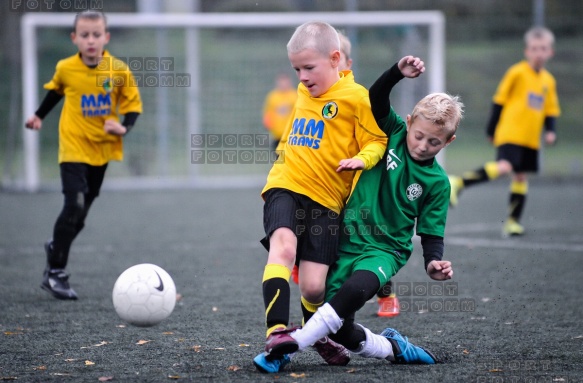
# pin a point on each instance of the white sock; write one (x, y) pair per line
(375, 346)
(323, 322)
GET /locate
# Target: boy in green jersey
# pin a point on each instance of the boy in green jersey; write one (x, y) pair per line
(406, 191)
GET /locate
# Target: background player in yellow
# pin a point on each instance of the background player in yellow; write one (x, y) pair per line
(278, 105)
(525, 101)
(97, 89)
(332, 132)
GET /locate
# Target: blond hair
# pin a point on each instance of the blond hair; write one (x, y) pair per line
(539, 33)
(442, 110)
(316, 35)
(345, 45)
(90, 14)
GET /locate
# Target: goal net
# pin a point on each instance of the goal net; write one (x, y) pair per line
(203, 79)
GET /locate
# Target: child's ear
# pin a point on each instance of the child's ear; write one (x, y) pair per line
(408, 121)
(452, 139)
(335, 58)
(107, 36)
(73, 37)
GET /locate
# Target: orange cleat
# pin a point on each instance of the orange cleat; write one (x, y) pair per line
(388, 306)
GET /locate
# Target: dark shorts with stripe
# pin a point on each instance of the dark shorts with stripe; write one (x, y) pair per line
(523, 159)
(316, 227)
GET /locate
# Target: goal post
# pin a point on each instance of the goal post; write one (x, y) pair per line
(186, 109)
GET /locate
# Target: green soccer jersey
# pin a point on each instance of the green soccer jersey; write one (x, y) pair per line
(391, 198)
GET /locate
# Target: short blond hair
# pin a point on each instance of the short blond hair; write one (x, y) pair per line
(345, 45)
(539, 33)
(316, 35)
(441, 109)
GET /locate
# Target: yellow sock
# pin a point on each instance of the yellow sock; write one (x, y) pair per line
(491, 169)
(519, 187)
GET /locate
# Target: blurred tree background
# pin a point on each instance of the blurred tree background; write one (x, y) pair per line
(482, 40)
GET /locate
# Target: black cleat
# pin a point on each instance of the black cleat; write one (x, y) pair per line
(55, 281)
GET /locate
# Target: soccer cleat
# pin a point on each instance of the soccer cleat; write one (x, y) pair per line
(388, 306)
(280, 342)
(405, 352)
(456, 185)
(55, 281)
(296, 275)
(333, 353)
(270, 366)
(512, 228)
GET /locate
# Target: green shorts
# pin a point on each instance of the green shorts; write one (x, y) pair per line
(385, 265)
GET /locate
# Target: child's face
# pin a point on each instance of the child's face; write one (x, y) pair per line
(425, 139)
(90, 37)
(538, 51)
(316, 71)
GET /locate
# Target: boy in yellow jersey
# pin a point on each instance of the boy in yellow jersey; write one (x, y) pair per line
(525, 101)
(97, 89)
(331, 134)
(277, 107)
(388, 303)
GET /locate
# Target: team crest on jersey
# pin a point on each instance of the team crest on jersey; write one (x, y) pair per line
(108, 85)
(414, 191)
(330, 110)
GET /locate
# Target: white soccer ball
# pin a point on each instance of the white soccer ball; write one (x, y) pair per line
(144, 295)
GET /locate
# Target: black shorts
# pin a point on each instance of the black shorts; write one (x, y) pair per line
(316, 227)
(523, 159)
(77, 177)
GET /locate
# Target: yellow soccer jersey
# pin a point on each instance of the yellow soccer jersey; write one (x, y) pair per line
(527, 98)
(322, 131)
(92, 96)
(276, 111)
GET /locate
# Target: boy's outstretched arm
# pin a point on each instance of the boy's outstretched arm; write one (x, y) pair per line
(51, 99)
(408, 66)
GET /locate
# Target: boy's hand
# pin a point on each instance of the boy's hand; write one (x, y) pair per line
(411, 66)
(439, 270)
(350, 164)
(550, 138)
(114, 127)
(34, 123)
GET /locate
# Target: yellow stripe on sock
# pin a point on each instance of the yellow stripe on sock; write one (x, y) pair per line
(274, 270)
(491, 169)
(311, 307)
(519, 187)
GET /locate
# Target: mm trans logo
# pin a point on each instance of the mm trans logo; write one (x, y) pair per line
(50, 5)
(94, 105)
